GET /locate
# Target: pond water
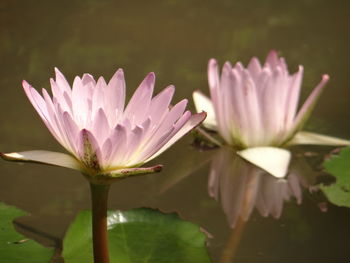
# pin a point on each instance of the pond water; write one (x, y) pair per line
(175, 39)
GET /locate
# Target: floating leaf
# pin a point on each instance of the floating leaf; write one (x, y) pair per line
(15, 248)
(339, 166)
(139, 235)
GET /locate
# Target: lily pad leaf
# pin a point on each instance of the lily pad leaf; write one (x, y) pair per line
(15, 248)
(339, 166)
(139, 235)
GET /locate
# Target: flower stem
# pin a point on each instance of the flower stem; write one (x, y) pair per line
(99, 198)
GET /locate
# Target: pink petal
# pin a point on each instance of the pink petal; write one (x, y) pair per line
(72, 131)
(59, 95)
(214, 83)
(252, 110)
(293, 96)
(134, 141)
(101, 127)
(52, 116)
(160, 103)
(89, 150)
(309, 104)
(98, 100)
(171, 117)
(254, 69)
(240, 119)
(140, 101)
(80, 95)
(67, 141)
(194, 121)
(272, 59)
(115, 94)
(61, 81)
(37, 103)
(88, 79)
(224, 109)
(106, 151)
(159, 138)
(119, 144)
(151, 147)
(40, 106)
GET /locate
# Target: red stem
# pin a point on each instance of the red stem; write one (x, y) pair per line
(99, 198)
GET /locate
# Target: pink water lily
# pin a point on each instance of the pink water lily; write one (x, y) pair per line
(101, 134)
(257, 107)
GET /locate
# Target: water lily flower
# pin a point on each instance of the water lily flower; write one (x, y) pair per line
(256, 109)
(105, 139)
(102, 135)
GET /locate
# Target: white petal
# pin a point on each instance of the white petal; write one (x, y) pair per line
(304, 137)
(43, 157)
(203, 103)
(273, 160)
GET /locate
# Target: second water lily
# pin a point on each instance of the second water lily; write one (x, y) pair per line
(256, 109)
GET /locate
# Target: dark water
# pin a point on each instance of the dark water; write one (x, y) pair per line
(175, 39)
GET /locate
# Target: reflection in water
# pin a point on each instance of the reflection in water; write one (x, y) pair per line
(241, 186)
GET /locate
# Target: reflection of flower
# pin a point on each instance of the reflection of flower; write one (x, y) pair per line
(90, 121)
(257, 106)
(241, 186)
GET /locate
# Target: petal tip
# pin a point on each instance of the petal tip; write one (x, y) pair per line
(212, 62)
(151, 75)
(120, 72)
(25, 84)
(203, 114)
(273, 52)
(57, 71)
(325, 77)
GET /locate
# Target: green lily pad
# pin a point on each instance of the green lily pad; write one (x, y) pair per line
(339, 166)
(139, 235)
(14, 247)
